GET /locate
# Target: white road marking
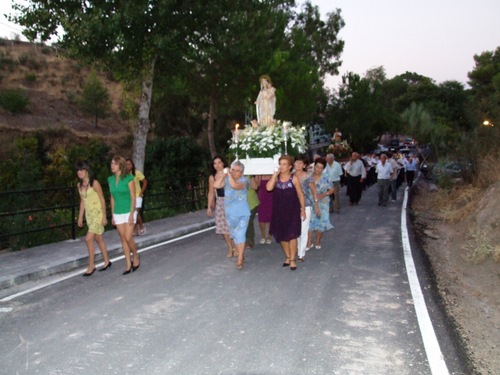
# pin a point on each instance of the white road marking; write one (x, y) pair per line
(79, 272)
(431, 344)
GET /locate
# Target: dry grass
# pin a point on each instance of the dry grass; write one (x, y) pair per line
(475, 207)
(488, 171)
(479, 247)
(457, 204)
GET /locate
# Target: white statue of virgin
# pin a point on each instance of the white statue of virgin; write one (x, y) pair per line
(266, 102)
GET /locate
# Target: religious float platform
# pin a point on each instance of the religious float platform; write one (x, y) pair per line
(260, 147)
(260, 166)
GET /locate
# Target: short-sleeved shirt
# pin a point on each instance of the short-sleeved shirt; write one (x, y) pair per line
(139, 176)
(120, 193)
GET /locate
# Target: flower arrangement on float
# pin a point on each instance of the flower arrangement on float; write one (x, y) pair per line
(341, 150)
(259, 147)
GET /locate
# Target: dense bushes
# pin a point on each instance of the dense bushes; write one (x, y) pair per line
(38, 181)
(14, 101)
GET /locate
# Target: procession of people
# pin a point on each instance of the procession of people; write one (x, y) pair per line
(294, 204)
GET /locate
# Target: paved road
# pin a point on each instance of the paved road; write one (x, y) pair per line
(347, 309)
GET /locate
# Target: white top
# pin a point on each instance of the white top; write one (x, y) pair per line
(356, 169)
(384, 171)
(334, 172)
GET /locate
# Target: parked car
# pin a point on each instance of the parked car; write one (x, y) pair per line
(452, 169)
(409, 142)
(394, 145)
(381, 148)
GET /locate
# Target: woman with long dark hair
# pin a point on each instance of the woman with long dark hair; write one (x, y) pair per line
(216, 202)
(92, 204)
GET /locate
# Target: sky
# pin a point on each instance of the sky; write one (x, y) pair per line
(435, 38)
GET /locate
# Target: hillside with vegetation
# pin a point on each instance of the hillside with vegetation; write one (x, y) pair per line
(43, 91)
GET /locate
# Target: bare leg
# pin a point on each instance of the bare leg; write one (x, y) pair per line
(318, 238)
(122, 230)
(263, 233)
(286, 249)
(240, 248)
(229, 243)
(102, 246)
(140, 223)
(129, 229)
(293, 252)
(89, 239)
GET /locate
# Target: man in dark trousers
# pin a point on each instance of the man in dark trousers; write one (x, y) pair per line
(356, 174)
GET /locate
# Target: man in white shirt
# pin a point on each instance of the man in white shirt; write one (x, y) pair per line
(356, 174)
(384, 172)
(334, 172)
(394, 176)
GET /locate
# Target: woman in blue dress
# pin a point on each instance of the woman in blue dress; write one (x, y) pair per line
(236, 205)
(322, 188)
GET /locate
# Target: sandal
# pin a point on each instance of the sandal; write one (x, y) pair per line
(230, 254)
(293, 268)
(318, 246)
(240, 265)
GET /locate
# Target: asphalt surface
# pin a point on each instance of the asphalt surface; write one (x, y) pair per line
(347, 309)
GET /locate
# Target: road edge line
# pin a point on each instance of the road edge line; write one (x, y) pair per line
(433, 351)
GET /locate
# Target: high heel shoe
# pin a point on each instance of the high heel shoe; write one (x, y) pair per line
(293, 268)
(107, 266)
(89, 273)
(285, 264)
(134, 268)
(126, 272)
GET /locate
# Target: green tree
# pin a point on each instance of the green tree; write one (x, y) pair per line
(484, 80)
(311, 50)
(230, 43)
(95, 99)
(359, 112)
(131, 38)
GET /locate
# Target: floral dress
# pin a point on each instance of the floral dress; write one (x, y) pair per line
(321, 223)
(93, 210)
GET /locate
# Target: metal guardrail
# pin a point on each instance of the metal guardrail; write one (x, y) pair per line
(38, 216)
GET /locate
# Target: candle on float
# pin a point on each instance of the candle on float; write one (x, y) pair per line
(285, 131)
(236, 132)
